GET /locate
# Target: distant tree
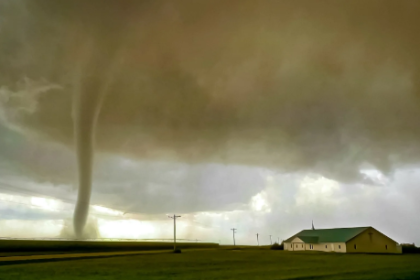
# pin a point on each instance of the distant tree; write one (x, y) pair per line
(410, 248)
(277, 246)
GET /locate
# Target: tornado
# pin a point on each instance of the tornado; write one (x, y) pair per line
(86, 108)
(97, 64)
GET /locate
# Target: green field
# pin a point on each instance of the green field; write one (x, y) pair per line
(25, 247)
(225, 264)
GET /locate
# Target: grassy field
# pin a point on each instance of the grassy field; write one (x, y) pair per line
(22, 247)
(225, 264)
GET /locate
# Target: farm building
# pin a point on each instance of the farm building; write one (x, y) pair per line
(342, 240)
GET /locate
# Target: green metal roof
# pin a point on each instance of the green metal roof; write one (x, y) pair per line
(309, 239)
(327, 235)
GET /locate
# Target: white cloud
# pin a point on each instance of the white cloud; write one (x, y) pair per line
(46, 203)
(376, 176)
(130, 229)
(318, 191)
(104, 210)
(17, 228)
(259, 203)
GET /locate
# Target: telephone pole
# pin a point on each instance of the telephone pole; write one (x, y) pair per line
(271, 242)
(258, 242)
(174, 218)
(233, 231)
(278, 240)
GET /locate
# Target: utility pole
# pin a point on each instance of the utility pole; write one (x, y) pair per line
(233, 231)
(174, 218)
(271, 242)
(278, 240)
(258, 242)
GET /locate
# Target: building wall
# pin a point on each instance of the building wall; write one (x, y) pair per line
(339, 247)
(295, 245)
(372, 241)
(298, 246)
(323, 247)
(327, 247)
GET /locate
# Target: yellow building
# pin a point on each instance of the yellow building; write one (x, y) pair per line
(343, 240)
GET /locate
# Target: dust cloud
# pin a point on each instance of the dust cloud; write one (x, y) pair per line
(312, 86)
(90, 230)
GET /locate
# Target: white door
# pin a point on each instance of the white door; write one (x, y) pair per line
(332, 247)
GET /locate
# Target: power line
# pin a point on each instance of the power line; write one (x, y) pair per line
(174, 218)
(233, 231)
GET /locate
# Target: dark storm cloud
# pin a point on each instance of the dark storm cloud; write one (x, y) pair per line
(320, 86)
(161, 187)
(37, 168)
(37, 159)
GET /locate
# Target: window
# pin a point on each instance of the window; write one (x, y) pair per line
(302, 245)
(339, 246)
(326, 246)
(386, 247)
(355, 247)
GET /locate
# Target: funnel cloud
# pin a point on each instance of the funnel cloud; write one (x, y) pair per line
(86, 110)
(297, 86)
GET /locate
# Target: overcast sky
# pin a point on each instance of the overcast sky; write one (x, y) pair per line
(257, 115)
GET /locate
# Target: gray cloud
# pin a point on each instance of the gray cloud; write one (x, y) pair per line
(389, 208)
(292, 85)
(163, 187)
(12, 213)
(321, 87)
(38, 168)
